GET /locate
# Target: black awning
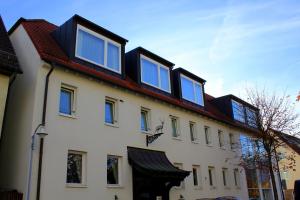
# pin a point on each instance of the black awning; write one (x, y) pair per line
(154, 164)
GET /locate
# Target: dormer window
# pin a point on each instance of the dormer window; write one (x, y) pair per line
(191, 90)
(155, 74)
(97, 49)
(251, 117)
(238, 111)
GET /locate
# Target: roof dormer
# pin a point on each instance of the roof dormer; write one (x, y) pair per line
(188, 86)
(87, 43)
(149, 70)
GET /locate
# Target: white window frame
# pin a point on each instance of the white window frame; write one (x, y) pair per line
(213, 177)
(199, 177)
(83, 172)
(158, 69)
(208, 136)
(226, 177)
(73, 91)
(106, 41)
(236, 178)
(194, 134)
(119, 184)
(148, 119)
(194, 88)
(115, 111)
(178, 135)
(221, 139)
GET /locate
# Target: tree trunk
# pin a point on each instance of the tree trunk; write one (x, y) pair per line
(275, 192)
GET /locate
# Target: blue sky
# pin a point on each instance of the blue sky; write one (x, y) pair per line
(231, 44)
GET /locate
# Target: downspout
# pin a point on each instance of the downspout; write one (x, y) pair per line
(41, 149)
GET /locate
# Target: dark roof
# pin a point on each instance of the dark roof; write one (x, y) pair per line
(231, 96)
(8, 60)
(40, 31)
(292, 141)
(154, 163)
(189, 74)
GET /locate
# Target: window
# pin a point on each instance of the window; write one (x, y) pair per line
(207, 135)
(231, 141)
(193, 132)
(67, 100)
(238, 111)
(196, 176)
(97, 49)
(110, 111)
(179, 166)
(145, 120)
(236, 176)
(251, 117)
(191, 90)
(225, 176)
(175, 127)
(113, 170)
(221, 138)
(155, 74)
(76, 167)
(211, 176)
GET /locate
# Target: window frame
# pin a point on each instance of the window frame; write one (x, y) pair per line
(198, 175)
(208, 136)
(242, 112)
(212, 177)
(225, 177)
(148, 119)
(193, 132)
(158, 70)
(182, 183)
(221, 139)
(114, 103)
(73, 91)
(236, 178)
(232, 141)
(106, 41)
(178, 135)
(119, 184)
(83, 169)
(194, 89)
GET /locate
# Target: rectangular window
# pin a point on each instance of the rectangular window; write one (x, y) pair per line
(211, 176)
(145, 119)
(97, 49)
(67, 100)
(193, 132)
(231, 141)
(196, 176)
(175, 127)
(113, 170)
(155, 74)
(221, 138)
(251, 117)
(225, 176)
(179, 166)
(236, 176)
(76, 167)
(191, 90)
(238, 111)
(207, 135)
(109, 112)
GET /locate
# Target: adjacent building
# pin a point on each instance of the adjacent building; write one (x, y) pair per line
(95, 122)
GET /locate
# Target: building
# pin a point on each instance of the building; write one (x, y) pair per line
(120, 125)
(8, 68)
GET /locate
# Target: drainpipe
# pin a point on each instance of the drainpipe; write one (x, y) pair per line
(41, 149)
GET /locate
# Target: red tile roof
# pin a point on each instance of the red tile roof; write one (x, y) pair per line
(39, 32)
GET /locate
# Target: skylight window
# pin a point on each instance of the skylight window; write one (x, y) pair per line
(155, 74)
(97, 49)
(191, 90)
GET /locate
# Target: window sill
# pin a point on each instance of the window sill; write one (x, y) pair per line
(195, 142)
(114, 186)
(146, 132)
(66, 115)
(177, 138)
(213, 188)
(198, 188)
(112, 125)
(76, 185)
(209, 145)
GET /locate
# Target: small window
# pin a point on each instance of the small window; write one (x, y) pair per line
(155, 74)
(231, 141)
(67, 101)
(221, 138)
(110, 111)
(238, 111)
(175, 127)
(196, 176)
(145, 120)
(207, 135)
(236, 175)
(179, 166)
(76, 167)
(113, 170)
(193, 132)
(191, 90)
(211, 176)
(225, 176)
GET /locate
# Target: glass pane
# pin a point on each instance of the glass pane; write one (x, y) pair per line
(199, 94)
(192, 132)
(210, 177)
(144, 121)
(207, 137)
(74, 168)
(238, 111)
(90, 47)
(251, 117)
(187, 89)
(112, 170)
(174, 127)
(149, 72)
(65, 102)
(109, 116)
(224, 177)
(164, 79)
(113, 57)
(195, 176)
